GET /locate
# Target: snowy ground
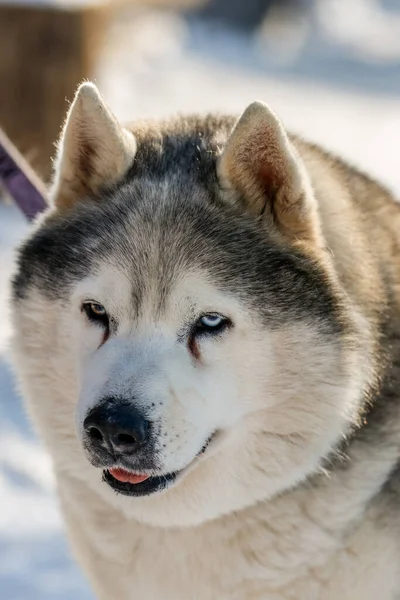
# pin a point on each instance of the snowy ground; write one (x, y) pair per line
(188, 69)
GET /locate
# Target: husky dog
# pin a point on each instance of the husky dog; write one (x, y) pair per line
(207, 335)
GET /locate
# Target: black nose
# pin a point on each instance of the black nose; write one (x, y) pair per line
(116, 427)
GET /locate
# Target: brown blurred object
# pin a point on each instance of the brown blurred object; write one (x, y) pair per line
(46, 49)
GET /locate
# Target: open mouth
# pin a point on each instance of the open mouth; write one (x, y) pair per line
(135, 484)
(122, 482)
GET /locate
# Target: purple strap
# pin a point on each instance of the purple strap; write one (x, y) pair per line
(20, 181)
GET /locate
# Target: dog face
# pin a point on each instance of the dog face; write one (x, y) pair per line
(173, 347)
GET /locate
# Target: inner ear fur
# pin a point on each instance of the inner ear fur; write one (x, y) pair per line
(261, 168)
(93, 151)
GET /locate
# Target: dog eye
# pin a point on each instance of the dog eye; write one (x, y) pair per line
(211, 323)
(95, 312)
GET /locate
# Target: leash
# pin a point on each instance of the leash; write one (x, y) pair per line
(20, 181)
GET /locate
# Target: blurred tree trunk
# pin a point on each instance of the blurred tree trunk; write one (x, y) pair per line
(45, 51)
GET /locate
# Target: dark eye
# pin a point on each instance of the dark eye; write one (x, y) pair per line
(95, 312)
(211, 323)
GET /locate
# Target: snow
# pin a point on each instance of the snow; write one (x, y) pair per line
(34, 557)
(152, 66)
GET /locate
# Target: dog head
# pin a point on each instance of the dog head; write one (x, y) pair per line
(180, 334)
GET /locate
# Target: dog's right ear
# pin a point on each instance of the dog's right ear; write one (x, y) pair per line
(93, 151)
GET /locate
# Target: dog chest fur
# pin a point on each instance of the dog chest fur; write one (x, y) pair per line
(300, 546)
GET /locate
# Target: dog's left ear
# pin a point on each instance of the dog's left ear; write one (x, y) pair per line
(93, 151)
(261, 168)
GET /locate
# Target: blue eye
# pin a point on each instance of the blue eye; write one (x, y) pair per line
(210, 324)
(211, 321)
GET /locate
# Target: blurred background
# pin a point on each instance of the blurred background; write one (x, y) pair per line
(329, 68)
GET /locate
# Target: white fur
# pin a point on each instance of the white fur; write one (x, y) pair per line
(282, 399)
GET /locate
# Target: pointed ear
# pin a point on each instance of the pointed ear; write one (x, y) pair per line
(261, 168)
(93, 151)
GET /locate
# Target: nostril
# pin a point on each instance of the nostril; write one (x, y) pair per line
(95, 434)
(116, 428)
(125, 438)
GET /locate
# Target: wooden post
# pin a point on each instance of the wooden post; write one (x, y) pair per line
(46, 49)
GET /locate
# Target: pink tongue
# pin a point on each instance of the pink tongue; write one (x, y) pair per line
(127, 477)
